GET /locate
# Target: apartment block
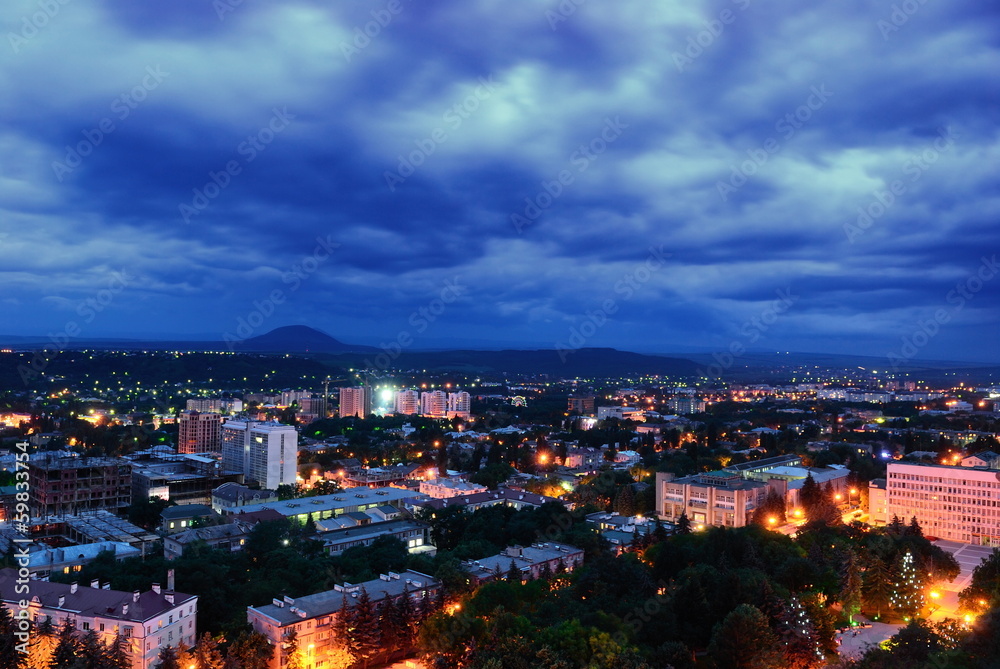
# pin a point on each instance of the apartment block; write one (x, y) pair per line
(312, 617)
(148, 621)
(198, 432)
(355, 402)
(266, 453)
(955, 503)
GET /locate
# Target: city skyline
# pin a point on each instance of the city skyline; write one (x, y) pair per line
(561, 175)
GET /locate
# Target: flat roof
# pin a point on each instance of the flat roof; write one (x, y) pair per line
(341, 500)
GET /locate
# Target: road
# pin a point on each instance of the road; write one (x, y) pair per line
(968, 557)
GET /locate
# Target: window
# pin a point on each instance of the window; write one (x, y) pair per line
(127, 632)
(86, 625)
(102, 627)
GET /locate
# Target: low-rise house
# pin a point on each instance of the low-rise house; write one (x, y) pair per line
(518, 499)
(443, 488)
(229, 537)
(230, 497)
(532, 561)
(184, 516)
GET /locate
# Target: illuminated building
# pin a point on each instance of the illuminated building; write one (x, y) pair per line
(434, 404)
(312, 617)
(458, 404)
(408, 402)
(148, 621)
(266, 453)
(198, 432)
(719, 498)
(950, 502)
(354, 402)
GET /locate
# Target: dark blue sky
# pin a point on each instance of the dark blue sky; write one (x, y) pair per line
(647, 175)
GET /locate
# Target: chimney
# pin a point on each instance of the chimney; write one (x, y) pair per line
(170, 580)
(156, 588)
(95, 584)
(135, 596)
(169, 596)
(62, 600)
(124, 609)
(106, 586)
(72, 587)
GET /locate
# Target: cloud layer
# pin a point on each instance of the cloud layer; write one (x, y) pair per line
(535, 152)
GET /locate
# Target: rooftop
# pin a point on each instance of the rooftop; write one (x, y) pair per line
(93, 601)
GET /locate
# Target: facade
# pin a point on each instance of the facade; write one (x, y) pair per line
(229, 537)
(68, 486)
(686, 405)
(414, 534)
(198, 432)
(215, 405)
(531, 561)
(266, 453)
(987, 459)
(954, 503)
(312, 617)
(459, 405)
(149, 621)
(434, 404)
(184, 516)
(517, 499)
(444, 488)
(719, 498)
(378, 477)
(185, 479)
(229, 497)
(354, 402)
(290, 397)
(583, 404)
(43, 560)
(408, 402)
(877, 505)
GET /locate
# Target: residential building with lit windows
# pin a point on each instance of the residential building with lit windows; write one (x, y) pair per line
(312, 617)
(149, 621)
(719, 498)
(877, 505)
(198, 432)
(954, 503)
(434, 404)
(408, 402)
(266, 453)
(459, 405)
(444, 488)
(354, 402)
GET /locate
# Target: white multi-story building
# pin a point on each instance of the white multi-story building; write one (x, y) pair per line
(408, 402)
(459, 404)
(290, 397)
(148, 621)
(434, 404)
(313, 617)
(266, 453)
(215, 405)
(354, 402)
(444, 488)
(955, 503)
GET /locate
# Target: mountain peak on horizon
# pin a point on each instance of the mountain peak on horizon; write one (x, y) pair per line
(298, 339)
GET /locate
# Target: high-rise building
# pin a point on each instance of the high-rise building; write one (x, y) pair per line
(407, 402)
(954, 503)
(215, 405)
(434, 404)
(290, 397)
(458, 404)
(266, 453)
(355, 402)
(582, 404)
(198, 432)
(69, 486)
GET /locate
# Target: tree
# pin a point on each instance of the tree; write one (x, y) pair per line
(850, 585)
(907, 596)
(43, 644)
(67, 653)
(799, 640)
(743, 640)
(877, 587)
(91, 650)
(810, 494)
(206, 653)
(116, 654)
(913, 529)
(251, 650)
(364, 637)
(683, 524)
(293, 656)
(983, 590)
(513, 573)
(168, 659)
(10, 657)
(625, 501)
